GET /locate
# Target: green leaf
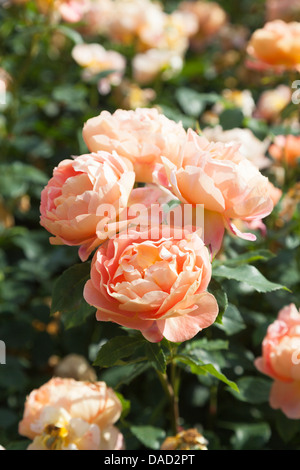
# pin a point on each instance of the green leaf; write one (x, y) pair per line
(231, 118)
(18, 445)
(232, 321)
(251, 436)
(150, 436)
(99, 76)
(7, 418)
(219, 293)
(156, 357)
(123, 375)
(17, 179)
(207, 345)
(199, 368)
(116, 349)
(12, 375)
(249, 275)
(125, 404)
(287, 428)
(245, 258)
(190, 101)
(171, 205)
(67, 296)
(254, 390)
(259, 128)
(289, 110)
(71, 34)
(69, 96)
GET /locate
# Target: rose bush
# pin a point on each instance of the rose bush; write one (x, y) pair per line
(182, 303)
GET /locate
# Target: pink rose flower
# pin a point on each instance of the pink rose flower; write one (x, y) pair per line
(218, 177)
(65, 414)
(276, 46)
(142, 136)
(154, 281)
(84, 197)
(281, 360)
(72, 11)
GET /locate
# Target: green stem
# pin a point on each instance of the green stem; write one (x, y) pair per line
(173, 400)
(175, 387)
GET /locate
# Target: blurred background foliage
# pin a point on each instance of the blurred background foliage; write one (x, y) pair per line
(40, 125)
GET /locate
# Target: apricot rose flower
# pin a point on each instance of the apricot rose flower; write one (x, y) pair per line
(154, 281)
(65, 414)
(83, 196)
(281, 360)
(276, 46)
(142, 136)
(218, 177)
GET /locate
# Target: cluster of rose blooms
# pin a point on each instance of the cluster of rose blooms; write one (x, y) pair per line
(146, 273)
(160, 39)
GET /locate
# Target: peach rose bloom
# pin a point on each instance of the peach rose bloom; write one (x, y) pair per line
(257, 224)
(170, 34)
(141, 136)
(276, 45)
(154, 281)
(220, 178)
(148, 65)
(146, 206)
(210, 17)
(84, 197)
(250, 146)
(97, 18)
(286, 149)
(95, 59)
(272, 102)
(281, 360)
(130, 17)
(65, 414)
